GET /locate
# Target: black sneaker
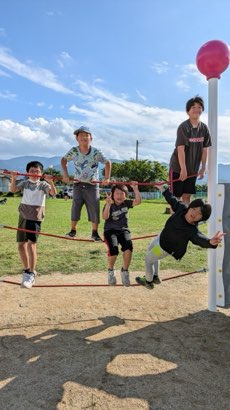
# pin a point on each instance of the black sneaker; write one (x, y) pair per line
(72, 233)
(96, 237)
(141, 280)
(156, 280)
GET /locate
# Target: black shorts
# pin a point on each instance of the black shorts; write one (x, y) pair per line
(113, 238)
(179, 188)
(30, 225)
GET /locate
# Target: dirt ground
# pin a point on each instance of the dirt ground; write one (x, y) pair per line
(112, 348)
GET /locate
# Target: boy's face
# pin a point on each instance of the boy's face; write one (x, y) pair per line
(119, 196)
(195, 111)
(35, 170)
(194, 215)
(84, 138)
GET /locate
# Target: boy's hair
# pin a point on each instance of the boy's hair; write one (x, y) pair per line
(194, 100)
(206, 209)
(34, 164)
(122, 188)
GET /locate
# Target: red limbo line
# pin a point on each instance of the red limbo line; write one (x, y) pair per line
(65, 285)
(66, 237)
(5, 171)
(143, 237)
(100, 285)
(47, 234)
(185, 274)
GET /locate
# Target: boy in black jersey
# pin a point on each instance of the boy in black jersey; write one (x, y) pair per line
(180, 228)
(116, 231)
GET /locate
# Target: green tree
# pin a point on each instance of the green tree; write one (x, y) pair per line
(55, 173)
(139, 170)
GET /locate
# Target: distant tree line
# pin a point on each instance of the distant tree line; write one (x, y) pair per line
(141, 171)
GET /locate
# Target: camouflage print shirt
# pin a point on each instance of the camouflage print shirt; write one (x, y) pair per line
(86, 165)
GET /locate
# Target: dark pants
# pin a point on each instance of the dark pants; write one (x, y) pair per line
(114, 237)
(88, 195)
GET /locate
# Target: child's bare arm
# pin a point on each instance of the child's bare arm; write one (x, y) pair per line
(106, 180)
(65, 170)
(106, 210)
(48, 178)
(137, 200)
(13, 188)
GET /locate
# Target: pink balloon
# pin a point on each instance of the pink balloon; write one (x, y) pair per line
(213, 58)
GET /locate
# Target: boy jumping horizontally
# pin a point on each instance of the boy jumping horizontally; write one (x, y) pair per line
(180, 228)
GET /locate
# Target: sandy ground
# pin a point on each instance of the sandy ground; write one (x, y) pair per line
(113, 348)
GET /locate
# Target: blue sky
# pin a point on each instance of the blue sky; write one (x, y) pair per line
(125, 68)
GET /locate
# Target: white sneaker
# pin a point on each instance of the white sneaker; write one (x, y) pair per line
(125, 277)
(111, 277)
(28, 280)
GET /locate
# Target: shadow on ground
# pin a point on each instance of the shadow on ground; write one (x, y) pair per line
(177, 364)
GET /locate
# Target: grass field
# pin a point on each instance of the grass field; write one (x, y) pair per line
(59, 255)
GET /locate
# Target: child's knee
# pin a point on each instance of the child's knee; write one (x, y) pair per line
(128, 246)
(113, 251)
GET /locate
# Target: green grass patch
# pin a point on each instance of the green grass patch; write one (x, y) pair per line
(59, 255)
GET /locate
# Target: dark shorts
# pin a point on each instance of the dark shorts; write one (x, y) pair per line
(88, 195)
(182, 187)
(113, 238)
(32, 226)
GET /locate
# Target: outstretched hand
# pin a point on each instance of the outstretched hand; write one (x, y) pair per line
(134, 185)
(105, 182)
(48, 177)
(162, 186)
(201, 174)
(217, 238)
(14, 174)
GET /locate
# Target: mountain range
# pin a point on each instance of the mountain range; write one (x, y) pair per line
(19, 163)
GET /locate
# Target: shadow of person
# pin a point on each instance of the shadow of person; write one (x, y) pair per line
(177, 364)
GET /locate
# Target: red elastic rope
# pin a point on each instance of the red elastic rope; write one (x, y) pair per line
(66, 237)
(100, 182)
(101, 285)
(47, 234)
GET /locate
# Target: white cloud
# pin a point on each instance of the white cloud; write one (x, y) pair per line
(4, 74)
(189, 71)
(183, 85)
(41, 104)
(160, 68)
(64, 59)
(181, 75)
(38, 136)
(38, 75)
(98, 80)
(53, 13)
(7, 95)
(117, 124)
(141, 95)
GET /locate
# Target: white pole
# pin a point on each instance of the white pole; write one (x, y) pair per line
(212, 188)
